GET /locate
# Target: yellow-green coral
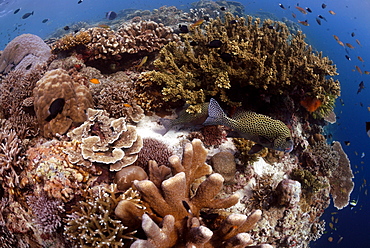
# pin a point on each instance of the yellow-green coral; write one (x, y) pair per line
(71, 41)
(270, 59)
(244, 146)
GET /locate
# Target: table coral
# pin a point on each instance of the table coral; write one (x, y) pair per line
(271, 60)
(107, 140)
(58, 84)
(24, 53)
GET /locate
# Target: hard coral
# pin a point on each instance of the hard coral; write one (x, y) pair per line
(271, 60)
(341, 184)
(51, 165)
(116, 96)
(153, 149)
(24, 53)
(47, 212)
(107, 140)
(178, 203)
(93, 223)
(54, 85)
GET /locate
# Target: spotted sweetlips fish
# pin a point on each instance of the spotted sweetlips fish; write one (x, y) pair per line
(262, 129)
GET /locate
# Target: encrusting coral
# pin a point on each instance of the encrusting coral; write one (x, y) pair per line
(60, 102)
(107, 140)
(233, 56)
(24, 53)
(178, 203)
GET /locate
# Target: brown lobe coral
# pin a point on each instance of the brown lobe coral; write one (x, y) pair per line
(57, 84)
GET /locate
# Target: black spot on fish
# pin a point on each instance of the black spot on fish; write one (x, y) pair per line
(27, 15)
(281, 6)
(111, 15)
(353, 34)
(233, 22)
(215, 44)
(186, 206)
(28, 66)
(347, 143)
(66, 28)
(271, 27)
(183, 29)
(55, 108)
(223, 8)
(226, 57)
(80, 1)
(45, 20)
(323, 5)
(16, 11)
(193, 43)
(308, 9)
(347, 57)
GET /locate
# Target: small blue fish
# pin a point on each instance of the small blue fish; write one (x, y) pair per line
(262, 129)
(25, 16)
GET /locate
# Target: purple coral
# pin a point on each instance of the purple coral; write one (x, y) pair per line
(46, 211)
(153, 149)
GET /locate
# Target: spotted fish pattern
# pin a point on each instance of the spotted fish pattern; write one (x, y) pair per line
(259, 128)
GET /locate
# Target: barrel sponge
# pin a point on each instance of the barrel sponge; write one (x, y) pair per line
(59, 84)
(24, 52)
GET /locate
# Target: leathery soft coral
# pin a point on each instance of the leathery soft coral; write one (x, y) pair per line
(173, 216)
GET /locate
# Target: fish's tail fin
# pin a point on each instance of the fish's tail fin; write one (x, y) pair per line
(216, 115)
(167, 123)
(32, 13)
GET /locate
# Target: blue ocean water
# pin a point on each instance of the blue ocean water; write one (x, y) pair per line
(352, 16)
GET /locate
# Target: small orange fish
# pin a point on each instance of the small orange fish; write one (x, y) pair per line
(358, 42)
(367, 72)
(197, 23)
(340, 43)
(332, 12)
(95, 81)
(103, 26)
(358, 69)
(127, 105)
(304, 23)
(302, 10)
(350, 46)
(336, 37)
(361, 59)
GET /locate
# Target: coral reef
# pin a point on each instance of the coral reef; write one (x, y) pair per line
(117, 96)
(16, 90)
(107, 140)
(53, 86)
(153, 149)
(250, 55)
(47, 212)
(111, 50)
(11, 161)
(24, 53)
(341, 184)
(54, 165)
(92, 222)
(178, 203)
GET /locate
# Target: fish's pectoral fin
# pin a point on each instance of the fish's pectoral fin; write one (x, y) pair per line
(265, 140)
(255, 149)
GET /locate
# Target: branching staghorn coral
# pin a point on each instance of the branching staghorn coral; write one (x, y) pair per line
(249, 55)
(92, 222)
